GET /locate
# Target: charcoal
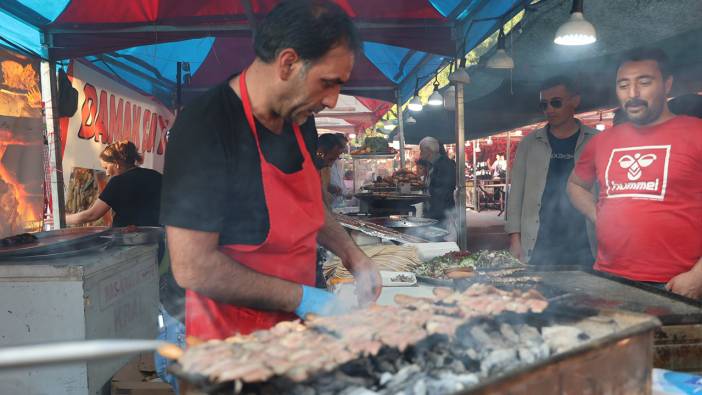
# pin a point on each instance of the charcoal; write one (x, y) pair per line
(560, 338)
(403, 375)
(498, 360)
(508, 332)
(357, 391)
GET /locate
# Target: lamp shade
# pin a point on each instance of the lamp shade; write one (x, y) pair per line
(576, 31)
(415, 104)
(500, 60)
(435, 99)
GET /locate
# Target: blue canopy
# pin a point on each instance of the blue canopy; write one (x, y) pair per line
(140, 41)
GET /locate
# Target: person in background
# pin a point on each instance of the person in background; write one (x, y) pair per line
(329, 148)
(336, 180)
(133, 193)
(441, 179)
(543, 225)
(649, 213)
(498, 167)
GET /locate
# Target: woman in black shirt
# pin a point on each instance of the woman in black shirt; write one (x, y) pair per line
(133, 193)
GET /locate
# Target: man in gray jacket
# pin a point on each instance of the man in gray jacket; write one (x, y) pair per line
(543, 225)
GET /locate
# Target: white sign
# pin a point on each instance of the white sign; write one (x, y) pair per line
(109, 112)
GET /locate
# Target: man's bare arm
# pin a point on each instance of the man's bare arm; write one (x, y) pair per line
(581, 196)
(198, 265)
(335, 238)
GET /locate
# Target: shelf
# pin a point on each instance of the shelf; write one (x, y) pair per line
(374, 156)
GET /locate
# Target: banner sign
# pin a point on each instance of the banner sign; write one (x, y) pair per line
(107, 112)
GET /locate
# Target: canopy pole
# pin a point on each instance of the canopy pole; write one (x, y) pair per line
(49, 92)
(462, 225)
(400, 124)
(476, 202)
(179, 86)
(507, 169)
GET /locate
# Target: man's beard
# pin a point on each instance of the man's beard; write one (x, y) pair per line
(643, 117)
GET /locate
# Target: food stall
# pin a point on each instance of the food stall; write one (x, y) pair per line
(76, 284)
(460, 323)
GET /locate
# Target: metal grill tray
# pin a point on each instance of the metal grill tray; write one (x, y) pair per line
(603, 291)
(54, 242)
(631, 324)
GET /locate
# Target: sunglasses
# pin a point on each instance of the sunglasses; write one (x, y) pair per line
(555, 103)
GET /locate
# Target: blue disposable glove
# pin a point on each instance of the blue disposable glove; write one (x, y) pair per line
(318, 301)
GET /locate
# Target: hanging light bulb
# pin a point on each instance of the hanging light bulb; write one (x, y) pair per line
(436, 99)
(460, 75)
(577, 30)
(501, 59)
(600, 126)
(411, 120)
(415, 104)
(489, 140)
(518, 133)
(352, 136)
(477, 146)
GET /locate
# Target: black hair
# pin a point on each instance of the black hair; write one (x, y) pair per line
(329, 141)
(646, 53)
(561, 79)
(310, 27)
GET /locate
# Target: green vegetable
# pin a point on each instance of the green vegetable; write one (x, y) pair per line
(376, 144)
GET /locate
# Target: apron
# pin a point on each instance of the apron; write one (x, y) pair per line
(289, 252)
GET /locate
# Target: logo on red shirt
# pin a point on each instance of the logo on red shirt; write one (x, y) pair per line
(638, 172)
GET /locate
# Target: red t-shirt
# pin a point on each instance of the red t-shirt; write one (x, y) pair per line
(649, 213)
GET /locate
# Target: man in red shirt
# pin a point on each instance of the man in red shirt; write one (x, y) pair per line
(649, 213)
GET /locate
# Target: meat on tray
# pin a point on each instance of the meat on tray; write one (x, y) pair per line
(18, 240)
(297, 352)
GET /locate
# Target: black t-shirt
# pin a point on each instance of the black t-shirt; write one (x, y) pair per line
(134, 196)
(212, 172)
(562, 237)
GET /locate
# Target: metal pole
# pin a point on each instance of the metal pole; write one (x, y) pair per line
(179, 86)
(507, 169)
(400, 124)
(462, 226)
(476, 203)
(49, 91)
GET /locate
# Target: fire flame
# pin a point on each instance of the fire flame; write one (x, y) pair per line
(26, 211)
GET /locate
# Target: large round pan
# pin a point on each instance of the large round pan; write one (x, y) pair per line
(54, 241)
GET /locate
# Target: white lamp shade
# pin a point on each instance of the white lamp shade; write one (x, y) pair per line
(411, 120)
(460, 76)
(389, 125)
(600, 127)
(576, 31)
(415, 104)
(435, 99)
(500, 60)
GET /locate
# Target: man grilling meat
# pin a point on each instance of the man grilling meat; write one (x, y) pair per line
(242, 200)
(649, 214)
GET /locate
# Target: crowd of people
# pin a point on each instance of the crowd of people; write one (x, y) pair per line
(633, 183)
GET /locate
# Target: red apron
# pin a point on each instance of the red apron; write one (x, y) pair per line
(295, 215)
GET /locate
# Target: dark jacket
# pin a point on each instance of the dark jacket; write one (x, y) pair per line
(442, 183)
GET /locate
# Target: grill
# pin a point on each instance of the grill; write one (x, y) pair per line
(508, 351)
